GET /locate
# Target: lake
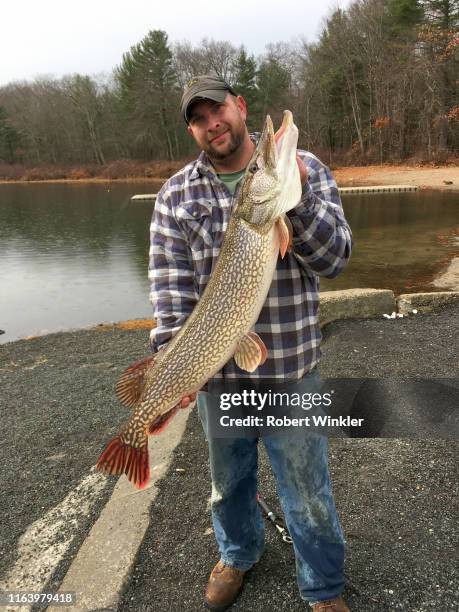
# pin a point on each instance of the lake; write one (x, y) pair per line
(74, 255)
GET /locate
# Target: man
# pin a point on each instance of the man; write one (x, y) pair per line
(190, 218)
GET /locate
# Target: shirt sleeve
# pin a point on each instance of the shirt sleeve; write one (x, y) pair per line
(170, 272)
(322, 238)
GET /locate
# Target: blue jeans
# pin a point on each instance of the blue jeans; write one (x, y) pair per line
(300, 466)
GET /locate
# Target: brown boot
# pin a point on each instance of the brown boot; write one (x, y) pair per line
(225, 584)
(331, 605)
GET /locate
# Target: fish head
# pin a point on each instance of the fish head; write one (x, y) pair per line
(271, 185)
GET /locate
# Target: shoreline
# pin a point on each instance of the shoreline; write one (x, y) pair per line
(94, 179)
(346, 176)
(339, 305)
(445, 178)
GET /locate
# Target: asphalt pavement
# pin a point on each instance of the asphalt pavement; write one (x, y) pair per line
(57, 407)
(395, 496)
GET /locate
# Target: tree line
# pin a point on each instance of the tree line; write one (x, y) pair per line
(380, 84)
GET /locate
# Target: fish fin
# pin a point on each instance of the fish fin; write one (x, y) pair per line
(251, 352)
(130, 384)
(161, 422)
(285, 233)
(120, 457)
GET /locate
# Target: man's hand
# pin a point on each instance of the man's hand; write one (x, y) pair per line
(187, 400)
(303, 170)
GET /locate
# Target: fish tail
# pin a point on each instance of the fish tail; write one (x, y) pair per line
(120, 457)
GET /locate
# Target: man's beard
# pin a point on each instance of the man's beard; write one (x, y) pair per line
(236, 140)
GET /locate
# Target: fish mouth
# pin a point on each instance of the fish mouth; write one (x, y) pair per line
(272, 147)
(265, 151)
(286, 143)
(271, 184)
(286, 126)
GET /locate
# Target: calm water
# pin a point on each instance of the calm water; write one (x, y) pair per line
(76, 255)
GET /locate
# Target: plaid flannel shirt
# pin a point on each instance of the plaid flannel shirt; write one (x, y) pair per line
(190, 217)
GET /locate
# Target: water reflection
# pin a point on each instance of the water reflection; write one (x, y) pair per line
(75, 255)
(72, 255)
(403, 241)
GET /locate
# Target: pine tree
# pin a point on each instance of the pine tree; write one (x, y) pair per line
(442, 13)
(245, 85)
(273, 82)
(149, 94)
(404, 15)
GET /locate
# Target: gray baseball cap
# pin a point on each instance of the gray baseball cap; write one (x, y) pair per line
(203, 87)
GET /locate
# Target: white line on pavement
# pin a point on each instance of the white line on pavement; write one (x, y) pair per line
(46, 541)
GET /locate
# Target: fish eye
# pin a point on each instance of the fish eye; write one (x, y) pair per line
(253, 168)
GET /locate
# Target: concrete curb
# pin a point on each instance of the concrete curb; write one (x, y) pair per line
(426, 302)
(355, 304)
(370, 303)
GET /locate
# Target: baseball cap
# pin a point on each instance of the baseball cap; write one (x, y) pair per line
(201, 87)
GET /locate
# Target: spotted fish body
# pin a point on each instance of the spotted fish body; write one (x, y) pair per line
(219, 326)
(228, 308)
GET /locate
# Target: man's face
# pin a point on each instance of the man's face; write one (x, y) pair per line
(218, 127)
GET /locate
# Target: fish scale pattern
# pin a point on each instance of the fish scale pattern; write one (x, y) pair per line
(227, 310)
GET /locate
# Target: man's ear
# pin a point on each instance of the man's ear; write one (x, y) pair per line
(242, 106)
(189, 130)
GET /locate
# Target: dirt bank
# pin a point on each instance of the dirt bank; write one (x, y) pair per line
(423, 177)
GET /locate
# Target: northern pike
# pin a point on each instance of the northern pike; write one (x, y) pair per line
(221, 323)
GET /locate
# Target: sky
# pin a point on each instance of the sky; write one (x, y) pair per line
(54, 38)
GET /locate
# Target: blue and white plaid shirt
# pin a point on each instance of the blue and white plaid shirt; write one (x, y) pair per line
(191, 215)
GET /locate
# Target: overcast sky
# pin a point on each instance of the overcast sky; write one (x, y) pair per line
(54, 37)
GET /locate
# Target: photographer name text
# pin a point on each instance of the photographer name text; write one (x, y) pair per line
(285, 421)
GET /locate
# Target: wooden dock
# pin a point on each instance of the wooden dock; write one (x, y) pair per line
(378, 189)
(343, 190)
(144, 196)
